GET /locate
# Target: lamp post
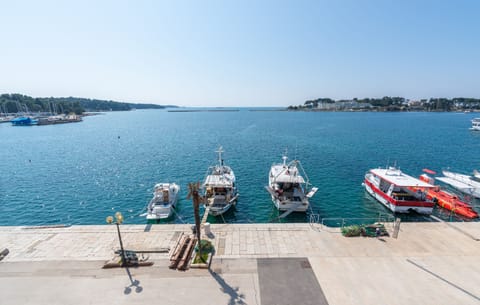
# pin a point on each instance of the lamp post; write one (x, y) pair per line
(119, 220)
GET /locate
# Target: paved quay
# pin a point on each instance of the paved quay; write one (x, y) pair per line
(429, 263)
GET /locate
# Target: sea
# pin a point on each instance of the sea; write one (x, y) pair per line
(80, 173)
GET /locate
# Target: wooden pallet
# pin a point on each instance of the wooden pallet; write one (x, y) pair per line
(180, 257)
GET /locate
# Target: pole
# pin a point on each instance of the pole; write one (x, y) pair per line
(122, 252)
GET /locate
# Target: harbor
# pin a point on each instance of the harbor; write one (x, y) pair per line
(77, 178)
(428, 263)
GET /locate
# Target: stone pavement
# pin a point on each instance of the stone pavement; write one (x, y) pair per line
(429, 263)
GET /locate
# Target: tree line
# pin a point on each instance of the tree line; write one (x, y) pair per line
(388, 103)
(16, 103)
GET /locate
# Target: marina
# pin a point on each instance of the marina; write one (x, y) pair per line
(77, 178)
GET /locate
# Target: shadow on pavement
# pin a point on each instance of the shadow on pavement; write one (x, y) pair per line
(235, 297)
(133, 283)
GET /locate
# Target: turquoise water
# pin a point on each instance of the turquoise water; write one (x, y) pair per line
(80, 173)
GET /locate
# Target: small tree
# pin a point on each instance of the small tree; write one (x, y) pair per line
(193, 193)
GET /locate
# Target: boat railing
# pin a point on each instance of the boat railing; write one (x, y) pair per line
(334, 225)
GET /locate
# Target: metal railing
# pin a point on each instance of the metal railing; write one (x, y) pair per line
(334, 225)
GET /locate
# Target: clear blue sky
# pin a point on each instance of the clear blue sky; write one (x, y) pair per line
(240, 53)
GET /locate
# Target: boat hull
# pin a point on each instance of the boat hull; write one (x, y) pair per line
(219, 207)
(287, 205)
(461, 182)
(163, 214)
(398, 206)
(215, 211)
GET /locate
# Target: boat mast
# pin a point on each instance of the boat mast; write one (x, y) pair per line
(284, 157)
(220, 151)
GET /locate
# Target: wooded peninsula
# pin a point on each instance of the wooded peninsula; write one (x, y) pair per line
(390, 104)
(16, 103)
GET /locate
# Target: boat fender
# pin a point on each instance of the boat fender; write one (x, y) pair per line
(435, 200)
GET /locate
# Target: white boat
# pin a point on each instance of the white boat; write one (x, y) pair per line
(288, 188)
(397, 191)
(469, 185)
(220, 190)
(164, 199)
(475, 124)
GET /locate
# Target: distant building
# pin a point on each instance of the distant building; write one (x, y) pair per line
(343, 105)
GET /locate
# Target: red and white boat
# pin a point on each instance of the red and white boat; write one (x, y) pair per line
(394, 189)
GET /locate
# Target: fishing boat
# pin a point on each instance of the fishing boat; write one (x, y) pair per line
(394, 189)
(288, 188)
(446, 199)
(220, 190)
(475, 124)
(466, 184)
(164, 199)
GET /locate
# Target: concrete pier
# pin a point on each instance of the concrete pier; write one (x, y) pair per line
(429, 263)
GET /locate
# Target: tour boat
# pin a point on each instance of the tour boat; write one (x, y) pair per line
(164, 199)
(464, 183)
(446, 199)
(394, 189)
(475, 124)
(220, 190)
(288, 188)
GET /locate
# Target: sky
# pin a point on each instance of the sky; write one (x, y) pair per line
(240, 53)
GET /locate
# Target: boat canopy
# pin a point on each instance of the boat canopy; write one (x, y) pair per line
(286, 174)
(218, 180)
(396, 177)
(289, 179)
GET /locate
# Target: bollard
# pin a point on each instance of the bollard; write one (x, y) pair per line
(4, 253)
(206, 227)
(396, 228)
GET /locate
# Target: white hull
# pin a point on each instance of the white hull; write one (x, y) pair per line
(463, 183)
(163, 203)
(217, 211)
(163, 214)
(286, 205)
(475, 124)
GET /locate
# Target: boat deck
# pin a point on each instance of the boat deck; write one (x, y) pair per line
(455, 183)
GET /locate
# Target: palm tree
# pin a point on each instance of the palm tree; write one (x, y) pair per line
(196, 199)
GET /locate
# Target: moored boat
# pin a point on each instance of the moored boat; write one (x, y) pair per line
(288, 188)
(466, 184)
(24, 121)
(392, 188)
(220, 189)
(164, 199)
(475, 124)
(446, 199)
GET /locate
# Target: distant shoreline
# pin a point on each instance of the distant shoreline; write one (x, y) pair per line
(205, 110)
